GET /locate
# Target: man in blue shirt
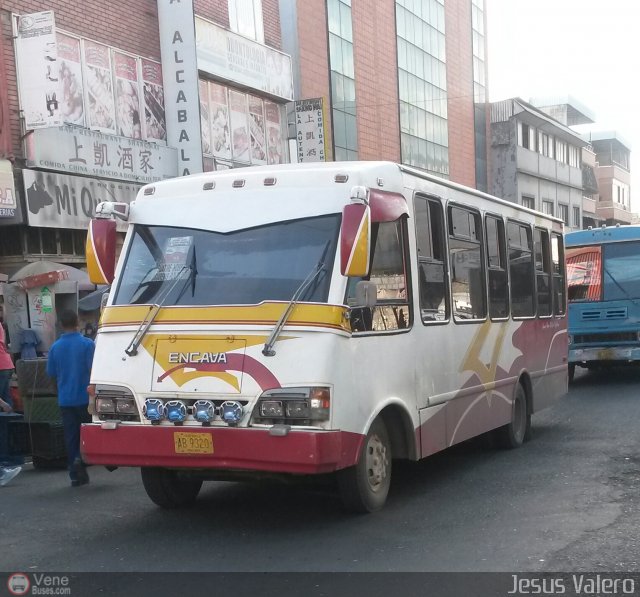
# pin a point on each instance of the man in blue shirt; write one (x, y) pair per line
(69, 362)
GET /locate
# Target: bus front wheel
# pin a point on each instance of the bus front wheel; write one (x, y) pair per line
(364, 487)
(516, 432)
(169, 489)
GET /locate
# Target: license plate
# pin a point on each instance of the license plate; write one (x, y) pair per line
(193, 443)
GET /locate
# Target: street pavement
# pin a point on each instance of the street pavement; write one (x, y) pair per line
(568, 500)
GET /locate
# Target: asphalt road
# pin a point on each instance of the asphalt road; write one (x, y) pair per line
(567, 500)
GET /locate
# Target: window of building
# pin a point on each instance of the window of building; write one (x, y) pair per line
(528, 201)
(545, 144)
(11, 241)
(343, 86)
(521, 270)
(561, 151)
(542, 251)
(466, 265)
(422, 84)
(574, 156)
(434, 294)
(558, 268)
(388, 271)
(547, 207)
(245, 18)
(497, 261)
(563, 213)
(526, 136)
(576, 217)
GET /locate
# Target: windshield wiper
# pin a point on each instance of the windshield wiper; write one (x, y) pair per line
(268, 350)
(132, 349)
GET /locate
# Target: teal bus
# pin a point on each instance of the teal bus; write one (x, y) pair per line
(603, 287)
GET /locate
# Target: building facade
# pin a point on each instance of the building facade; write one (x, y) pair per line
(400, 80)
(536, 161)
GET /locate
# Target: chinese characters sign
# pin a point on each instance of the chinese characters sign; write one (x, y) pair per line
(63, 201)
(310, 136)
(81, 151)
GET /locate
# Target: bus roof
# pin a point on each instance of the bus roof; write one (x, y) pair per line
(605, 234)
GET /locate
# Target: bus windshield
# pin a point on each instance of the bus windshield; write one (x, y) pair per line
(609, 272)
(267, 263)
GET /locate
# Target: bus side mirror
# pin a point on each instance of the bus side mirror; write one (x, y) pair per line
(355, 240)
(101, 251)
(366, 294)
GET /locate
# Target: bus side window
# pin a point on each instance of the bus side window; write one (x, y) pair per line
(521, 269)
(557, 258)
(468, 293)
(543, 272)
(432, 278)
(497, 259)
(388, 271)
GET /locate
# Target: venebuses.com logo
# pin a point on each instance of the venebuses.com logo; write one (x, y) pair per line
(38, 584)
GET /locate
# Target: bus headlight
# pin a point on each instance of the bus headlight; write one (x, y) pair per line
(114, 403)
(175, 411)
(231, 412)
(302, 406)
(204, 411)
(105, 405)
(153, 410)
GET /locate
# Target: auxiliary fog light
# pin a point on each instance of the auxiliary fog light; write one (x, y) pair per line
(175, 411)
(204, 411)
(231, 412)
(153, 410)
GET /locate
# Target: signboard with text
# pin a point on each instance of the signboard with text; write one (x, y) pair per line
(310, 137)
(80, 151)
(8, 199)
(65, 201)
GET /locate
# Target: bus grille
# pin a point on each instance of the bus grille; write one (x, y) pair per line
(601, 338)
(608, 314)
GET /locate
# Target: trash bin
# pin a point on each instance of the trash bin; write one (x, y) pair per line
(42, 415)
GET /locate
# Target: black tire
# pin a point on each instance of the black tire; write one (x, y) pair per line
(571, 372)
(364, 487)
(518, 430)
(169, 489)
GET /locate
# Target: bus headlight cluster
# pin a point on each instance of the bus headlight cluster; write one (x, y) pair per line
(302, 406)
(203, 411)
(114, 402)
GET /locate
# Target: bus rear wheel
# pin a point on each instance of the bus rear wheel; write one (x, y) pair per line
(364, 487)
(518, 430)
(169, 489)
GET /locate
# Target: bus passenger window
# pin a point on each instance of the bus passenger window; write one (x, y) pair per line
(467, 268)
(389, 273)
(432, 279)
(543, 271)
(521, 269)
(557, 258)
(497, 258)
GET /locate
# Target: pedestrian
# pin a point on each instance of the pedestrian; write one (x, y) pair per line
(69, 362)
(6, 371)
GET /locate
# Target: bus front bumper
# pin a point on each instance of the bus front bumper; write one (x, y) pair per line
(609, 353)
(225, 448)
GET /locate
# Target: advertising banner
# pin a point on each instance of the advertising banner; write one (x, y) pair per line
(153, 99)
(99, 102)
(275, 141)
(65, 201)
(257, 129)
(80, 151)
(70, 79)
(310, 130)
(36, 57)
(8, 198)
(180, 76)
(220, 126)
(235, 58)
(239, 126)
(205, 118)
(128, 119)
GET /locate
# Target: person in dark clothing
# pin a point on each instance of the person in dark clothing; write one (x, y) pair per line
(69, 362)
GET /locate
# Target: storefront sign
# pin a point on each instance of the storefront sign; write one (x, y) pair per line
(37, 59)
(8, 199)
(310, 135)
(81, 151)
(235, 58)
(180, 76)
(64, 201)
